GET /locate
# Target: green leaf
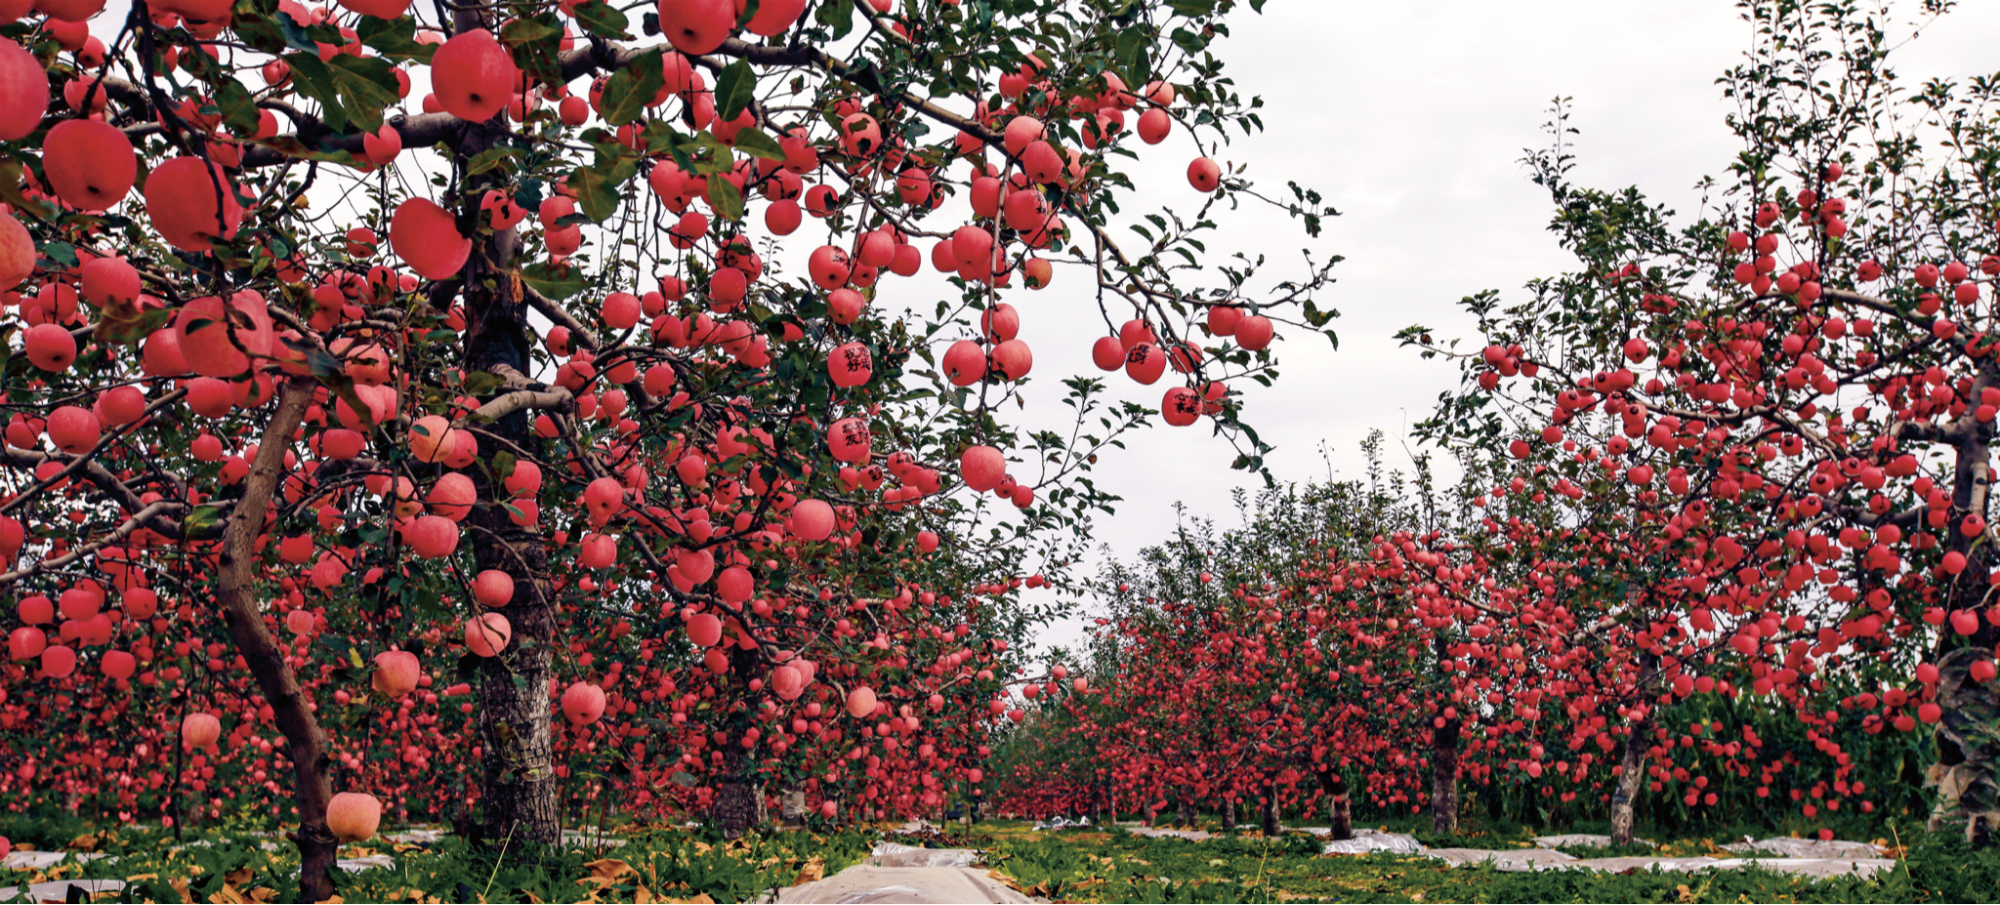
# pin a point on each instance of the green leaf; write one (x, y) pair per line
(530, 29)
(62, 253)
(481, 383)
(752, 141)
(598, 187)
(313, 79)
(1132, 44)
(557, 281)
(629, 90)
(201, 519)
(321, 362)
(705, 155)
(367, 86)
(837, 16)
(537, 44)
(239, 109)
(260, 33)
(126, 331)
(1192, 8)
(598, 18)
(301, 37)
(735, 88)
(489, 159)
(396, 38)
(1189, 41)
(725, 198)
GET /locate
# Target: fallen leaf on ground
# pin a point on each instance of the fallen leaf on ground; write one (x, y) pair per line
(610, 870)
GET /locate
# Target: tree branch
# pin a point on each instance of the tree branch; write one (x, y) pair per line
(235, 592)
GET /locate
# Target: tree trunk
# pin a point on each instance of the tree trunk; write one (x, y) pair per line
(739, 791)
(1268, 810)
(1632, 771)
(1185, 809)
(1967, 772)
(518, 788)
(1632, 774)
(1444, 778)
(738, 797)
(1339, 809)
(1228, 813)
(792, 806)
(235, 592)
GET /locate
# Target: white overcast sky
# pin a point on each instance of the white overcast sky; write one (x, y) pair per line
(1411, 117)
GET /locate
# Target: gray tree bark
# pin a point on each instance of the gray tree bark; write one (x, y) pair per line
(1444, 778)
(235, 592)
(518, 789)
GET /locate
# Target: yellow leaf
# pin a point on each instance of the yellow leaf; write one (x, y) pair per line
(137, 877)
(227, 895)
(810, 871)
(84, 843)
(610, 870)
(238, 877)
(263, 894)
(642, 896)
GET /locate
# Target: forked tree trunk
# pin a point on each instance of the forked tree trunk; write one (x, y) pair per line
(1444, 778)
(236, 593)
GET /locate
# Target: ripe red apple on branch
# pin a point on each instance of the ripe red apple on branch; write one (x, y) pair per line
(1786, 405)
(1723, 543)
(456, 410)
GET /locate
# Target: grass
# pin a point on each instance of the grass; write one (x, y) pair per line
(673, 864)
(1245, 867)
